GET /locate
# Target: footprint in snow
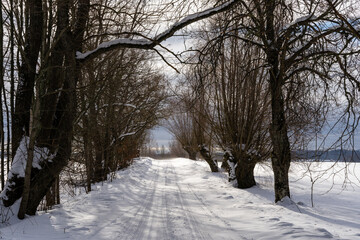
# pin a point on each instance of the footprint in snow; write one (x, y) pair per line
(301, 204)
(285, 224)
(326, 233)
(78, 228)
(229, 197)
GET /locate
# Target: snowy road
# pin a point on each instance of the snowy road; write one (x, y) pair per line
(181, 199)
(165, 209)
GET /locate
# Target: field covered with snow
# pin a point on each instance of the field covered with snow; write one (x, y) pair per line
(182, 199)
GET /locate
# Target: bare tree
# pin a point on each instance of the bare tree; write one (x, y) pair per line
(189, 125)
(236, 90)
(297, 42)
(117, 105)
(176, 150)
(181, 125)
(301, 50)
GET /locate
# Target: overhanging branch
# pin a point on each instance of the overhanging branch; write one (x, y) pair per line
(147, 43)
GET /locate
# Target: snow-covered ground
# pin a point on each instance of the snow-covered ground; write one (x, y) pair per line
(181, 199)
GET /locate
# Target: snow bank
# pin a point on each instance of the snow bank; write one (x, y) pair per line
(19, 162)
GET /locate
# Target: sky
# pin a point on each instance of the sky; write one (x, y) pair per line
(161, 136)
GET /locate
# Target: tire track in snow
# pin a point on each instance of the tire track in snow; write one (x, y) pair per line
(193, 224)
(127, 226)
(135, 227)
(156, 227)
(212, 214)
(165, 209)
(206, 210)
(168, 210)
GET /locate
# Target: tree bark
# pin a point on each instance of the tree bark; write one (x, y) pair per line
(281, 156)
(27, 73)
(231, 163)
(8, 132)
(43, 179)
(241, 168)
(88, 157)
(12, 83)
(204, 151)
(225, 165)
(53, 195)
(245, 173)
(1, 109)
(192, 154)
(27, 179)
(99, 163)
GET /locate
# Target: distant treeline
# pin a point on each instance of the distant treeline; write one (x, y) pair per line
(331, 155)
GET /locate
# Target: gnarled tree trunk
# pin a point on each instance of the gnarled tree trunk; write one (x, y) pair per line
(192, 153)
(241, 168)
(245, 173)
(205, 153)
(231, 163)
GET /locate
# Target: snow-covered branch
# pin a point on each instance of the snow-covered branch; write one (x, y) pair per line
(119, 104)
(300, 21)
(314, 39)
(122, 136)
(151, 43)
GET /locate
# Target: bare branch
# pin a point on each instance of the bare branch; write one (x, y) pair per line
(150, 44)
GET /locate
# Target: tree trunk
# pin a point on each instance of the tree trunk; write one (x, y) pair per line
(204, 151)
(225, 165)
(192, 154)
(24, 94)
(43, 179)
(245, 174)
(8, 133)
(50, 197)
(99, 161)
(57, 190)
(281, 156)
(60, 113)
(88, 161)
(241, 168)
(26, 187)
(53, 195)
(231, 163)
(1, 111)
(27, 72)
(12, 82)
